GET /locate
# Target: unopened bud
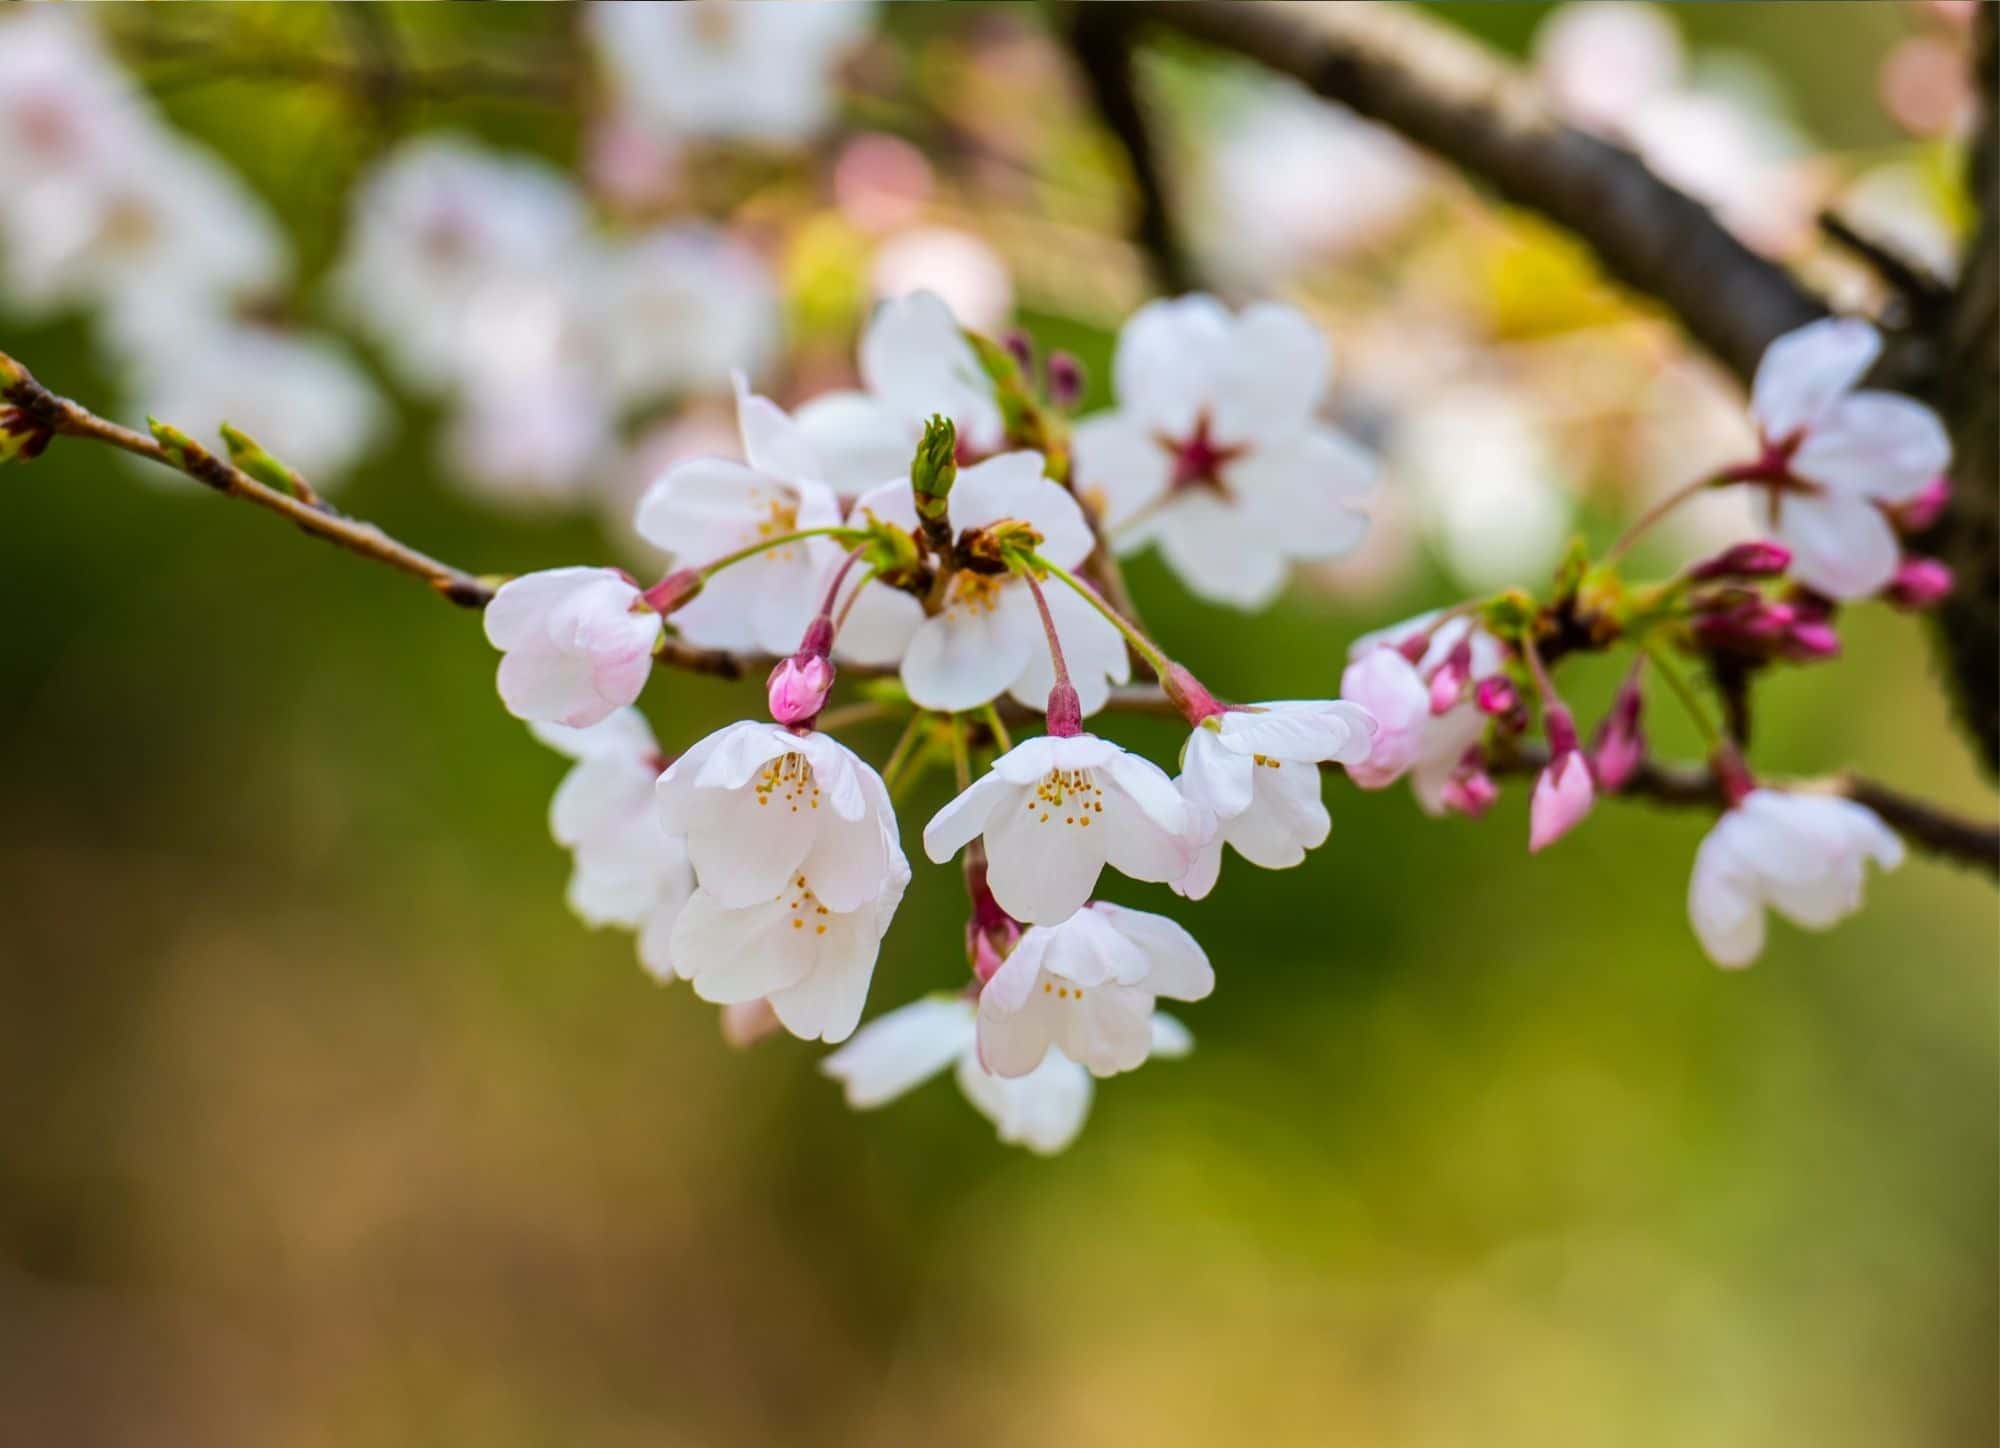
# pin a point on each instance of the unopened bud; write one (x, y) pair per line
(1470, 791)
(1917, 515)
(1021, 347)
(1619, 746)
(21, 437)
(1563, 793)
(1448, 681)
(932, 473)
(1065, 380)
(798, 687)
(1744, 560)
(1919, 583)
(1495, 694)
(1810, 640)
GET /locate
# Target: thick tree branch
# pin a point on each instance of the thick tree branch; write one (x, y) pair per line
(1451, 95)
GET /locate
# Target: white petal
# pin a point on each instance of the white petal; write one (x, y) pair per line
(1171, 1039)
(1727, 918)
(1875, 445)
(1304, 491)
(1220, 552)
(968, 655)
(1042, 1111)
(1011, 985)
(1843, 547)
(1272, 373)
(1286, 820)
(1013, 1043)
(962, 820)
(1040, 868)
(656, 936)
(826, 1004)
(1121, 467)
(849, 861)
(913, 356)
(1804, 371)
(739, 955)
(537, 681)
(1162, 366)
(734, 755)
(859, 440)
(1148, 786)
(519, 609)
(877, 630)
(1177, 966)
(1217, 778)
(621, 734)
(902, 1049)
(1032, 759)
(773, 443)
(1309, 731)
(1093, 649)
(747, 846)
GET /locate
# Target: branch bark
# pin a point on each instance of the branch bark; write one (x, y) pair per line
(1454, 97)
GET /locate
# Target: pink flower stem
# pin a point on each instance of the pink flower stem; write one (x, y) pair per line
(1645, 521)
(1065, 714)
(840, 577)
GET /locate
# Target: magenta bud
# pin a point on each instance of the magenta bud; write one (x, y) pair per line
(1919, 583)
(1448, 681)
(1021, 348)
(1470, 791)
(1563, 796)
(989, 945)
(1495, 694)
(798, 687)
(1065, 712)
(1744, 560)
(1560, 727)
(1620, 744)
(1811, 639)
(671, 592)
(1065, 380)
(1926, 508)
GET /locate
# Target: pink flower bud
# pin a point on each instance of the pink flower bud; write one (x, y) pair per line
(1021, 347)
(1926, 508)
(1065, 712)
(1470, 791)
(1620, 744)
(1809, 640)
(1563, 796)
(1449, 679)
(745, 1023)
(1065, 380)
(1495, 694)
(1919, 583)
(798, 688)
(1745, 560)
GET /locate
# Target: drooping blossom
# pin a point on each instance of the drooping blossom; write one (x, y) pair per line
(988, 639)
(1835, 456)
(576, 644)
(1411, 737)
(629, 871)
(706, 508)
(794, 846)
(1043, 1110)
(1054, 812)
(1803, 855)
(1256, 770)
(915, 364)
(1214, 451)
(1087, 987)
(758, 73)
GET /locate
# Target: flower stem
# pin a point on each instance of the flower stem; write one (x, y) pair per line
(961, 761)
(905, 745)
(1001, 737)
(1151, 652)
(840, 577)
(846, 608)
(1643, 524)
(729, 560)
(1710, 736)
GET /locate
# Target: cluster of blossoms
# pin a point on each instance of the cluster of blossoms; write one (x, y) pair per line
(948, 528)
(105, 208)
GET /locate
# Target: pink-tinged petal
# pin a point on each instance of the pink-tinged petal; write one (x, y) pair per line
(1271, 375)
(624, 734)
(1014, 982)
(1013, 1043)
(1204, 868)
(1042, 864)
(1563, 796)
(1388, 686)
(1875, 445)
(1841, 547)
(739, 955)
(1163, 366)
(1805, 371)
(901, 1050)
(1042, 1111)
(1107, 1030)
(826, 1004)
(1121, 467)
(962, 820)
(968, 655)
(1177, 966)
(542, 683)
(520, 607)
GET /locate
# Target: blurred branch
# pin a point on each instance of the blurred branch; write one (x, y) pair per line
(1453, 96)
(1927, 826)
(1100, 37)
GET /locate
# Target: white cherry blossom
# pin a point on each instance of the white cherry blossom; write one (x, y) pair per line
(988, 639)
(1255, 770)
(706, 508)
(1410, 738)
(1803, 855)
(740, 72)
(1087, 987)
(679, 309)
(1214, 452)
(1836, 456)
(575, 644)
(1043, 1110)
(915, 363)
(628, 871)
(1054, 812)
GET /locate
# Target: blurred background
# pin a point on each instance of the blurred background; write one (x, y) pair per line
(328, 1124)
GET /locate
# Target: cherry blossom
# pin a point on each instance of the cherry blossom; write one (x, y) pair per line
(628, 871)
(988, 638)
(758, 73)
(1836, 456)
(1087, 986)
(1042, 1110)
(1412, 737)
(1054, 812)
(576, 644)
(1213, 450)
(1564, 792)
(707, 508)
(1255, 769)
(679, 309)
(915, 363)
(1803, 855)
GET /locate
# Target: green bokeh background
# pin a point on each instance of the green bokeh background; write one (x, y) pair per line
(327, 1124)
